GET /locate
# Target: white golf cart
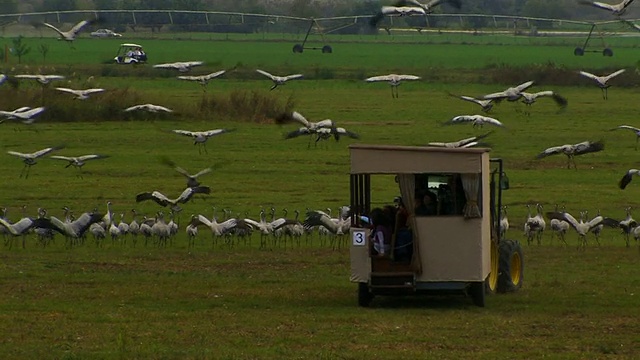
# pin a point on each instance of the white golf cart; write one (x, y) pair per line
(129, 53)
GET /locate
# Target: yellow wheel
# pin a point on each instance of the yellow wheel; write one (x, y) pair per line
(492, 280)
(510, 266)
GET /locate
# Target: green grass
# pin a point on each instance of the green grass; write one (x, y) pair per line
(367, 109)
(170, 303)
(215, 302)
(355, 58)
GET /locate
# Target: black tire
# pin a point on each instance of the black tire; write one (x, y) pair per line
(364, 295)
(477, 292)
(511, 266)
(297, 48)
(578, 51)
(327, 49)
(607, 52)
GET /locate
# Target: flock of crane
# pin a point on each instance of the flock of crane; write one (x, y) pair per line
(560, 221)
(277, 228)
(229, 231)
(75, 230)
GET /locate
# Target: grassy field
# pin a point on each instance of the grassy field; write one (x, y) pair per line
(121, 301)
(353, 58)
(154, 303)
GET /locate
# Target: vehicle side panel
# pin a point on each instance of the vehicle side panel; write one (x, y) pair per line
(359, 255)
(396, 160)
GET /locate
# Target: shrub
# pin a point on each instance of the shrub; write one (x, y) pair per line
(245, 106)
(238, 105)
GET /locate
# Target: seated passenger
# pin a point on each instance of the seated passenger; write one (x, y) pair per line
(380, 232)
(403, 249)
(452, 197)
(428, 206)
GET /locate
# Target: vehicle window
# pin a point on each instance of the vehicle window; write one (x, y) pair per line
(445, 190)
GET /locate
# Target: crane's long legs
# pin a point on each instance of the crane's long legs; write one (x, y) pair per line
(394, 91)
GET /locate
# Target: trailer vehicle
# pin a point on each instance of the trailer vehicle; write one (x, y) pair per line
(458, 249)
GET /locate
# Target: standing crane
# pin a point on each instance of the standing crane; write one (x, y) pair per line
(582, 227)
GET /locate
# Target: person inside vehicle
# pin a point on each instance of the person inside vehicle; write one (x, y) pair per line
(138, 54)
(380, 232)
(403, 248)
(402, 215)
(452, 196)
(428, 205)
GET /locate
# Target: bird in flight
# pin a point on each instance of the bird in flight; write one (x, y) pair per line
(78, 161)
(336, 132)
(297, 117)
(201, 137)
(510, 94)
(192, 180)
(476, 120)
(464, 143)
(25, 114)
(279, 80)
(571, 151)
(530, 98)
(29, 159)
(626, 179)
(602, 81)
(203, 79)
(632, 128)
(410, 8)
(181, 66)
(80, 94)
(148, 107)
(615, 9)
(394, 80)
(42, 79)
(71, 34)
(163, 200)
(486, 105)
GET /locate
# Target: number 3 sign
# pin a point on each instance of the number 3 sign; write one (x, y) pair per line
(359, 238)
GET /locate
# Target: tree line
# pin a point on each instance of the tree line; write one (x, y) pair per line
(557, 9)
